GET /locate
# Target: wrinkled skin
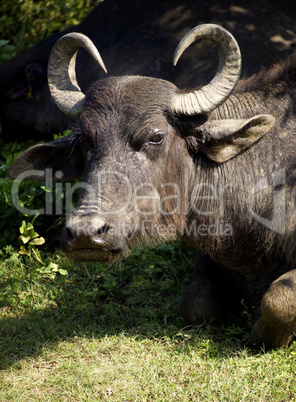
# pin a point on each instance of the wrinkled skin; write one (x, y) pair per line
(151, 175)
(136, 37)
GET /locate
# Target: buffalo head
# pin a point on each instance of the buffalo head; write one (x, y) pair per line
(139, 146)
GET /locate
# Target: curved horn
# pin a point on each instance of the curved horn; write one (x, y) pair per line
(62, 81)
(217, 91)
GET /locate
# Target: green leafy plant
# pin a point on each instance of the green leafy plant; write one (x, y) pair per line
(52, 269)
(30, 240)
(30, 195)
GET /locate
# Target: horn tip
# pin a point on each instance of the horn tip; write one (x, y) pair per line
(176, 58)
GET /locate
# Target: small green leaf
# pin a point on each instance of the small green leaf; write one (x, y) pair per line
(52, 266)
(24, 239)
(29, 226)
(22, 229)
(33, 235)
(4, 42)
(37, 255)
(23, 251)
(37, 241)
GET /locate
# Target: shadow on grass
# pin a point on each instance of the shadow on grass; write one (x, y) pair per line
(139, 299)
(27, 335)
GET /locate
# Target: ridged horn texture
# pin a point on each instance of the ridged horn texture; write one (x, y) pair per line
(62, 81)
(218, 90)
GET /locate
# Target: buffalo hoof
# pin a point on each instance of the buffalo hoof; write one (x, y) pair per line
(277, 325)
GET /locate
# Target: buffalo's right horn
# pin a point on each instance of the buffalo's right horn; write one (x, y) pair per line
(62, 81)
(217, 91)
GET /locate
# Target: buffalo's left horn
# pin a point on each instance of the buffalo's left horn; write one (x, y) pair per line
(62, 81)
(217, 91)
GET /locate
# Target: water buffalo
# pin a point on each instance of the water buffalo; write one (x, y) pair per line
(139, 37)
(214, 166)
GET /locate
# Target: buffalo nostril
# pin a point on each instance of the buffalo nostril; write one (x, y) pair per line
(102, 230)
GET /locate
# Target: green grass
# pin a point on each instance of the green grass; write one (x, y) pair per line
(114, 333)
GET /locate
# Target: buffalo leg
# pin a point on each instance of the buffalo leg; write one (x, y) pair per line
(277, 324)
(210, 296)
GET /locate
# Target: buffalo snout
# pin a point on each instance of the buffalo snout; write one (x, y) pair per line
(85, 237)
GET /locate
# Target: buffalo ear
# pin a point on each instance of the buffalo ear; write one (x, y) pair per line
(66, 157)
(224, 139)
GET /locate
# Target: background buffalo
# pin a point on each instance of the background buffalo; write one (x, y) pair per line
(136, 37)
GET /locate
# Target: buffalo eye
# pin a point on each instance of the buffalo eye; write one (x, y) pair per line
(157, 137)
